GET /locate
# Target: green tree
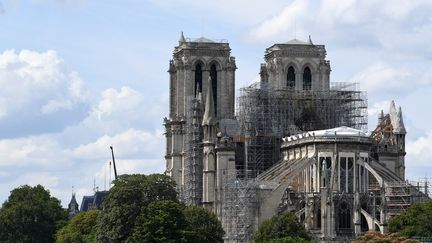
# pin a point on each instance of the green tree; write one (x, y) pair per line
(30, 214)
(80, 229)
(416, 221)
(203, 225)
(162, 221)
(279, 227)
(127, 199)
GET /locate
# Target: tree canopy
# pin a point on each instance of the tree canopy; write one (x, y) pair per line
(30, 214)
(141, 208)
(282, 228)
(161, 221)
(416, 221)
(203, 225)
(129, 196)
(80, 229)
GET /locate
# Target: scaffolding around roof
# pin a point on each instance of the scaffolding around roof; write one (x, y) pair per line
(266, 115)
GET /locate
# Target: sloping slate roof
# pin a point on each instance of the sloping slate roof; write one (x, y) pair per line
(86, 203)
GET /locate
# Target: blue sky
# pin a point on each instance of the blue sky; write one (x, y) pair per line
(80, 75)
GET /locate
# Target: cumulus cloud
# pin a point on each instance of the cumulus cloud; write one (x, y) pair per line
(32, 150)
(375, 109)
(332, 17)
(129, 144)
(125, 101)
(37, 84)
(383, 78)
(282, 23)
(40, 84)
(419, 152)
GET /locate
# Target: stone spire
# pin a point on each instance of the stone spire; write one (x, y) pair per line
(393, 114)
(73, 205)
(381, 117)
(182, 38)
(310, 40)
(400, 128)
(209, 114)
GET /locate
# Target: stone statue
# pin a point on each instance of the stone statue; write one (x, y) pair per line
(325, 172)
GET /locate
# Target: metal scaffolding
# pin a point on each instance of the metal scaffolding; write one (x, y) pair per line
(266, 115)
(239, 207)
(193, 165)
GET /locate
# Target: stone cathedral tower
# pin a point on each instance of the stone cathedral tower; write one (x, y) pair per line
(296, 65)
(197, 65)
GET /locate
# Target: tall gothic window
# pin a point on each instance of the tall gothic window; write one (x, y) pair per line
(198, 78)
(344, 216)
(307, 79)
(291, 78)
(213, 76)
(346, 174)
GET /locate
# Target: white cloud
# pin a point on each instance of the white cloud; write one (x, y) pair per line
(124, 101)
(419, 151)
(33, 80)
(382, 78)
(32, 150)
(128, 144)
(285, 21)
(343, 21)
(39, 178)
(375, 109)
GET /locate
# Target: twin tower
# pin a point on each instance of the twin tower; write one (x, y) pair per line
(202, 100)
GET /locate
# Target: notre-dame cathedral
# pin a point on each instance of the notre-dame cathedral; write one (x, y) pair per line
(293, 141)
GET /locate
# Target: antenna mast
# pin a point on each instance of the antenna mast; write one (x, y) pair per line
(115, 169)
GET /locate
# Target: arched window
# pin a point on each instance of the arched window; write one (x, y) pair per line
(344, 216)
(307, 79)
(291, 78)
(213, 76)
(198, 78)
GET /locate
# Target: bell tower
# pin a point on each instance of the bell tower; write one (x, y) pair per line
(296, 65)
(196, 65)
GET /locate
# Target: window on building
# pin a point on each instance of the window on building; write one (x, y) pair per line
(213, 76)
(344, 216)
(307, 79)
(291, 78)
(198, 78)
(346, 174)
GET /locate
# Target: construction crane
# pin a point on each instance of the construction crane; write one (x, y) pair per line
(115, 169)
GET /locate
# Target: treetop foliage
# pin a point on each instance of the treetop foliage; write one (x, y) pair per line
(129, 196)
(416, 221)
(80, 229)
(30, 214)
(281, 228)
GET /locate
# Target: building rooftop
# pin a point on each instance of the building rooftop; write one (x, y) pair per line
(342, 131)
(297, 42)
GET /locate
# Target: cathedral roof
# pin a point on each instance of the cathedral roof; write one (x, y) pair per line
(341, 131)
(203, 39)
(333, 132)
(297, 42)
